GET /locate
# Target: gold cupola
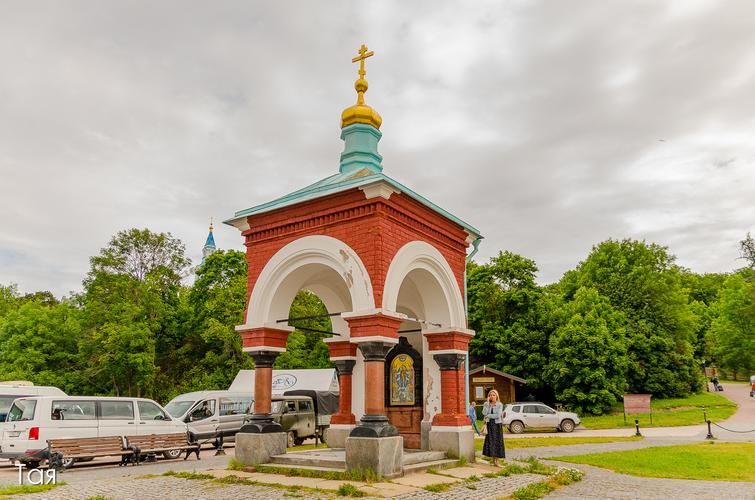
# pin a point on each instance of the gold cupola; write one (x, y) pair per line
(360, 112)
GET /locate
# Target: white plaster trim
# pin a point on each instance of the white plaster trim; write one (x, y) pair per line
(344, 358)
(342, 426)
(336, 339)
(374, 338)
(374, 312)
(451, 428)
(271, 326)
(422, 255)
(448, 351)
(381, 189)
(241, 224)
(317, 249)
(459, 330)
(263, 348)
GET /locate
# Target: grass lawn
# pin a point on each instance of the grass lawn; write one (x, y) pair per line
(669, 413)
(709, 461)
(304, 447)
(555, 441)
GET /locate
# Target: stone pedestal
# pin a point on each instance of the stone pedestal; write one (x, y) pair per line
(337, 434)
(383, 455)
(255, 449)
(457, 442)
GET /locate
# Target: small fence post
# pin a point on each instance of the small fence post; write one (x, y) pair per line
(710, 434)
(637, 428)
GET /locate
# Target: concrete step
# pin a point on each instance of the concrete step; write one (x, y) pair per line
(294, 459)
(435, 464)
(305, 467)
(415, 457)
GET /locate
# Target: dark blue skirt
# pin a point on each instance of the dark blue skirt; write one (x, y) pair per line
(493, 446)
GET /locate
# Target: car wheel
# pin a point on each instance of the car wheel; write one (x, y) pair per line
(33, 464)
(67, 463)
(567, 425)
(299, 441)
(291, 439)
(172, 454)
(516, 427)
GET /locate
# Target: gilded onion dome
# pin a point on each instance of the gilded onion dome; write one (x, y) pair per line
(360, 112)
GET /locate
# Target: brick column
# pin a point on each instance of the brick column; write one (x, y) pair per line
(344, 355)
(375, 334)
(264, 345)
(449, 348)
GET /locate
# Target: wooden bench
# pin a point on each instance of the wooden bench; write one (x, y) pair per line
(161, 443)
(64, 451)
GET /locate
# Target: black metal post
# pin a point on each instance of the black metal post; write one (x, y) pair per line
(637, 428)
(705, 414)
(710, 434)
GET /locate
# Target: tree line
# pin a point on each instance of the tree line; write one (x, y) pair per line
(626, 319)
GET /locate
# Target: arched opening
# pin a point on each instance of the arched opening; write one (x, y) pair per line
(421, 285)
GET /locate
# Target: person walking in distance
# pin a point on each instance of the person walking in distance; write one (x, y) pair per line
(492, 411)
(472, 413)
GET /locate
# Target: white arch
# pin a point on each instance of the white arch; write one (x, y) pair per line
(436, 273)
(320, 263)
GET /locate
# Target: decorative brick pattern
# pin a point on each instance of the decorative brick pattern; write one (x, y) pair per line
(264, 337)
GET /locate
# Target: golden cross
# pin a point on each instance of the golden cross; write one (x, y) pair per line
(363, 54)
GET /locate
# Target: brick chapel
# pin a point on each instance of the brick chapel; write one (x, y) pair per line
(389, 265)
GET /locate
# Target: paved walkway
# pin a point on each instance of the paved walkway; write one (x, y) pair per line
(605, 484)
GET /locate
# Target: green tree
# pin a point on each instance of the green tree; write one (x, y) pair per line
(210, 353)
(39, 342)
(642, 281)
(305, 348)
(512, 317)
(588, 354)
(733, 330)
(130, 305)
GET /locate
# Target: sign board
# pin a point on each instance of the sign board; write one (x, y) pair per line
(637, 403)
(483, 379)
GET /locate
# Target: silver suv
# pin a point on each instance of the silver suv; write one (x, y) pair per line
(517, 416)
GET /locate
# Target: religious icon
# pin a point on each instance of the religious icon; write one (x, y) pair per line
(402, 380)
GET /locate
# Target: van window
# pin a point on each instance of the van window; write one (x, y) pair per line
(204, 410)
(530, 409)
(291, 406)
(116, 410)
(73, 410)
(178, 408)
(5, 402)
(305, 406)
(22, 409)
(150, 411)
(516, 409)
(234, 406)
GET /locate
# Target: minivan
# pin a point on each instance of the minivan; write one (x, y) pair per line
(208, 413)
(32, 421)
(12, 390)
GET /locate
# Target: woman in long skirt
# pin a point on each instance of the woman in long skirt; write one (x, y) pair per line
(492, 411)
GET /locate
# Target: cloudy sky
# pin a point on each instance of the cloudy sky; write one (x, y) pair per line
(550, 126)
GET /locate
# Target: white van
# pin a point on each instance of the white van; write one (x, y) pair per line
(210, 412)
(12, 390)
(32, 421)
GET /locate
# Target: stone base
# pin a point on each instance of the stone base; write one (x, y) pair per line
(383, 455)
(457, 442)
(425, 428)
(337, 434)
(254, 449)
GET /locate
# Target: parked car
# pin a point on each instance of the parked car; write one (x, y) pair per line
(752, 386)
(32, 421)
(210, 412)
(10, 391)
(519, 416)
